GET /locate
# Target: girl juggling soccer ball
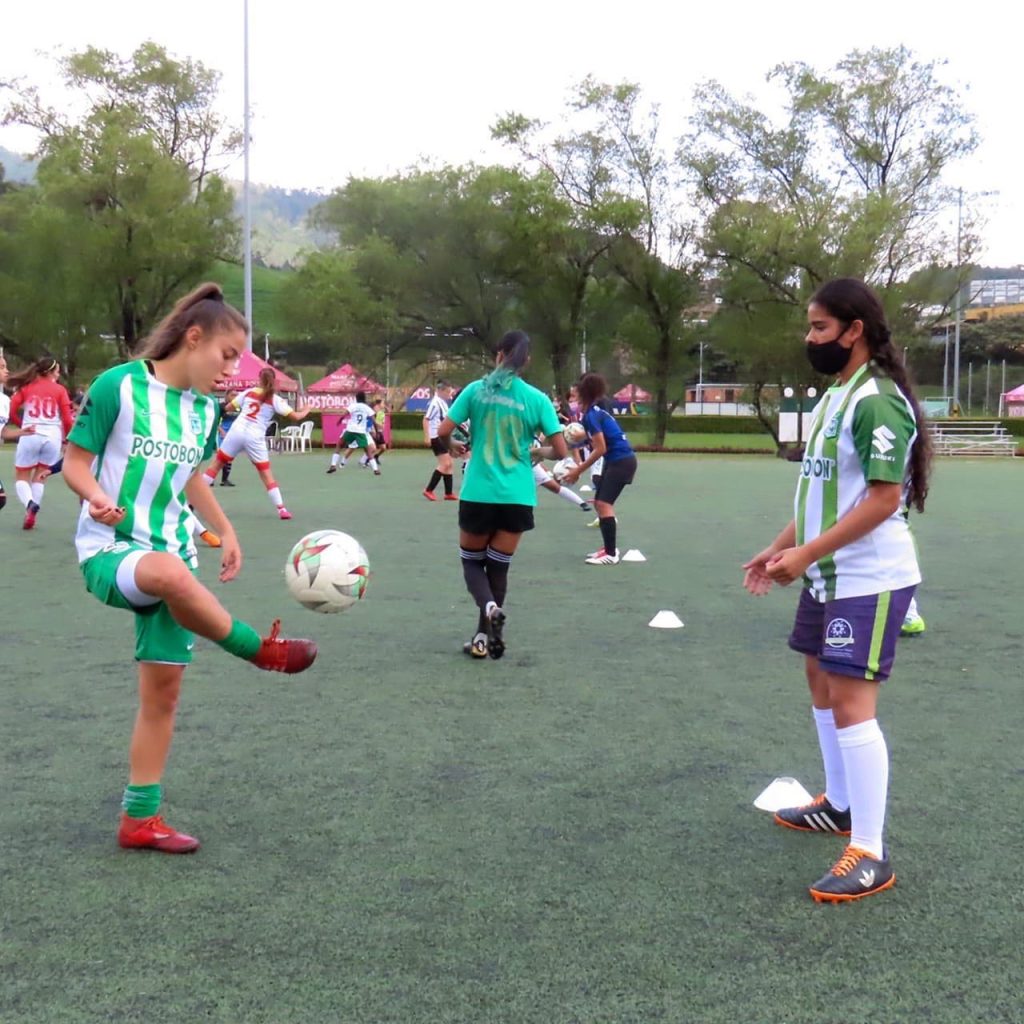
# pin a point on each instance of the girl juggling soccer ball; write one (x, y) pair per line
(256, 409)
(133, 458)
(866, 463)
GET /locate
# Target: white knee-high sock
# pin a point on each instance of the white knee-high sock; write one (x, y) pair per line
(832, 756)
(274, 494)
(23, 489)
(866, 759)
(570, 495)
(912, 608)
(37, 493)
(334, 458)
(373, 463)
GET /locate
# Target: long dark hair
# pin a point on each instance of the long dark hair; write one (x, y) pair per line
(40, 368)
(203, 307)
(591, 387)
(848, 299)
(514, 348)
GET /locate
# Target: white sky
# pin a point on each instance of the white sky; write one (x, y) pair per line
(337, 91)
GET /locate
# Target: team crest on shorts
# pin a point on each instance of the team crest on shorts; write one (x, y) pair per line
(839, 634)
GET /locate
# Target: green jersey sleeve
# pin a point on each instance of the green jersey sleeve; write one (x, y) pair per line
(458, 411)
(99, 412)
(211, 439)
(883, 427)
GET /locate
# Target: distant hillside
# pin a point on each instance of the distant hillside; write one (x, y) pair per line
(279, 227)
(16, 167)
(266, 284)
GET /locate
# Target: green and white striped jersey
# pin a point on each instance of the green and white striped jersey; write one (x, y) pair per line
(862, 431)
(148, 440)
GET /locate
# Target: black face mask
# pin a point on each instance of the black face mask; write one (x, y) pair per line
(830, 357)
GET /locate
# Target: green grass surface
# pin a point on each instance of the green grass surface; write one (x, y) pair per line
(566, 835)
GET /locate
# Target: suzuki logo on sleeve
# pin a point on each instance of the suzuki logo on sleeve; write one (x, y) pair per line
(881, 440)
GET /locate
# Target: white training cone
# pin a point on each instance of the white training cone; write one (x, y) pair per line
(632, 555)
(666, 620)
(783, 792)
(586, 489)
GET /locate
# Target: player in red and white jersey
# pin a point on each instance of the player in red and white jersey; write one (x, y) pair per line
(257, 408)
(42, 408)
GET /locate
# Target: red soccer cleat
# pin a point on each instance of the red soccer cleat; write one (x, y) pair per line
(283, 513)
(451, 497)
(279, 655)
(30, 519)
(430, 496)
(153, 834)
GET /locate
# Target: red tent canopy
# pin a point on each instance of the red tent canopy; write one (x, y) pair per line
(631, 393)
(345, 380)
(247, 375)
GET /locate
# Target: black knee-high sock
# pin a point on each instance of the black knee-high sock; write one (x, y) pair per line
(225, 472)
(475, 575)
(449, 485)
(607, 524)
(498, 565)
(435, 479)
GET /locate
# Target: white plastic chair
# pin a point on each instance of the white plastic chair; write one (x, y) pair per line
(305, 436)
(287, 439)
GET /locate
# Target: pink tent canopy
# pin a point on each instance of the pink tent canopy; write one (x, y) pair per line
(1016, 395)
(345, 381)
(247, 375)
(631, 393)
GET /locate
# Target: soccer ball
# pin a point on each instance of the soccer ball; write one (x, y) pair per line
(574, 434)
(327, 571)
(561, 468)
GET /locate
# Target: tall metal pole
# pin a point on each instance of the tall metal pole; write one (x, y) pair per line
(246, 211)
(700, 376)
(959, 298)
(945, 367)
(970, 386)
(988, 383)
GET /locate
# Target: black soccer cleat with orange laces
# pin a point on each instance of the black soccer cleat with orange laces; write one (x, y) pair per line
(855, 875)
(277, 654)
(817, 816)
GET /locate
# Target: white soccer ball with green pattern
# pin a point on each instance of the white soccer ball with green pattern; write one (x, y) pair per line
(327, 571)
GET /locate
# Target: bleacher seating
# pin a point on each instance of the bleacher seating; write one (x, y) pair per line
(972, 437)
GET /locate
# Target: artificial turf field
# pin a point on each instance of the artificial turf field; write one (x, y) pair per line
(565, 835)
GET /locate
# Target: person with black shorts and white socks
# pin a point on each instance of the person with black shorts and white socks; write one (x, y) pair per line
(608, 443)
(498, 495)
(437, 410)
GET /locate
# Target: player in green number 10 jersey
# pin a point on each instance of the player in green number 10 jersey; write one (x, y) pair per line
(133, 458)
(866, 462)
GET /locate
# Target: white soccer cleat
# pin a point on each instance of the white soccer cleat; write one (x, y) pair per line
(603, 558)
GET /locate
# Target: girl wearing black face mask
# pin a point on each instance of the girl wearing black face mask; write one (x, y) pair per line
(865, 464)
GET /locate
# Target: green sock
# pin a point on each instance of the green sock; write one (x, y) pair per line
(243, 641)
(141, 801)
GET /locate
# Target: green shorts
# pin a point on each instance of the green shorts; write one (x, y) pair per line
(158, 638)
(353, 439)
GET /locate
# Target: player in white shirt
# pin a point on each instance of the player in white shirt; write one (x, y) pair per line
(257, 408)
(358, 434)
(435, 415)
(542, 477)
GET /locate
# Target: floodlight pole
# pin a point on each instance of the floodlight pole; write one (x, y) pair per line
(959, 299)
(246, 211)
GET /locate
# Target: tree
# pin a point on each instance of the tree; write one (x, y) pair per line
(612, 167)
(134, 178)
(849, 183)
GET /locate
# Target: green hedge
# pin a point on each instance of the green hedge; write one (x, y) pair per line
(639, 424)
